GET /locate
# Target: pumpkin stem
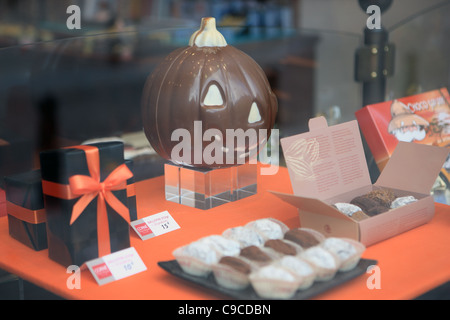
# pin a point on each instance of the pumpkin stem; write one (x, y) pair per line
(207, 35)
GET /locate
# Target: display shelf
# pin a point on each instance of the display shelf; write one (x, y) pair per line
(419, 254)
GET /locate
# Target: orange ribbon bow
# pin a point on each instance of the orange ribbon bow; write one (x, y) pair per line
(90, 187)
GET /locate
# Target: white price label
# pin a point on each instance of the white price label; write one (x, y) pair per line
(154, 225)
(115, 266)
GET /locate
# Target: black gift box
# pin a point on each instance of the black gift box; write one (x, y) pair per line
(131, 191)
(25, 208)
(74, 244)
(2, 203)
(16, 156)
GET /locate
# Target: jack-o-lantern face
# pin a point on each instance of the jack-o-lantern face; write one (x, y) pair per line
(206, 89)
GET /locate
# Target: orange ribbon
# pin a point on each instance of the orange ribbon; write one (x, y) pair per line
(90, 187)
(131, 190)
(24, 214)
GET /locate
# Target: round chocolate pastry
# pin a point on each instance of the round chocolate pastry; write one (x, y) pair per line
(369, 206)
(346, 208)
(237, 264)
(351, 210)
(281, 246)
(302, 238)
(245, 236)
(342, 248)
(224, 246)
(320, 257)
(255, 254)
(402, 201)
(376, 210)
(268, 228)
(207, 89)
(383, 196)
(297, 266)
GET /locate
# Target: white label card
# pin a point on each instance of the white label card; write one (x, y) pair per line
(154, 225)
(117, 265)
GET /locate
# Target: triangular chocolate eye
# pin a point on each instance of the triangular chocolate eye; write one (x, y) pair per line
(254, 115)
(213, 97)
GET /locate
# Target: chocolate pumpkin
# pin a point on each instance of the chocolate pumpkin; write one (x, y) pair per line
(205, 89)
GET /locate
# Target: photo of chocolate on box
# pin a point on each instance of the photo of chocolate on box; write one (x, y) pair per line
(423, 118)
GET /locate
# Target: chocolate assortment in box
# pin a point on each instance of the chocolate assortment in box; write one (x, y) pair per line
(86, 200)
(25, 209)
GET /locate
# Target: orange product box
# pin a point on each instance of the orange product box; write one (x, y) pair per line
(423, 118)
(327, 165)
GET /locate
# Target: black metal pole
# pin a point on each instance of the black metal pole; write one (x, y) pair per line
(374, 61)
(374, 88)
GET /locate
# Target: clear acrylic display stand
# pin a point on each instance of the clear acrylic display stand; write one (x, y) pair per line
(209, 188)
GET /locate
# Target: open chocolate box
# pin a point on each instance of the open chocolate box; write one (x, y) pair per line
(327, 165)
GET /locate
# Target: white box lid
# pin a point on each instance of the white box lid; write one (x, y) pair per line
(326, 161)
(413, 167)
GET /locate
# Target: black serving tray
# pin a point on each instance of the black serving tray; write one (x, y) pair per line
(249, 293)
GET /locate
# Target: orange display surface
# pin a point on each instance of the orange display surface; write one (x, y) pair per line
(409, 264)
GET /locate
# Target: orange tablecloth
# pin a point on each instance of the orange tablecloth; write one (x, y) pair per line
(409, 264)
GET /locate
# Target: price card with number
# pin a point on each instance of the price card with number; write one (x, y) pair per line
(115, 266)
(154, 225)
